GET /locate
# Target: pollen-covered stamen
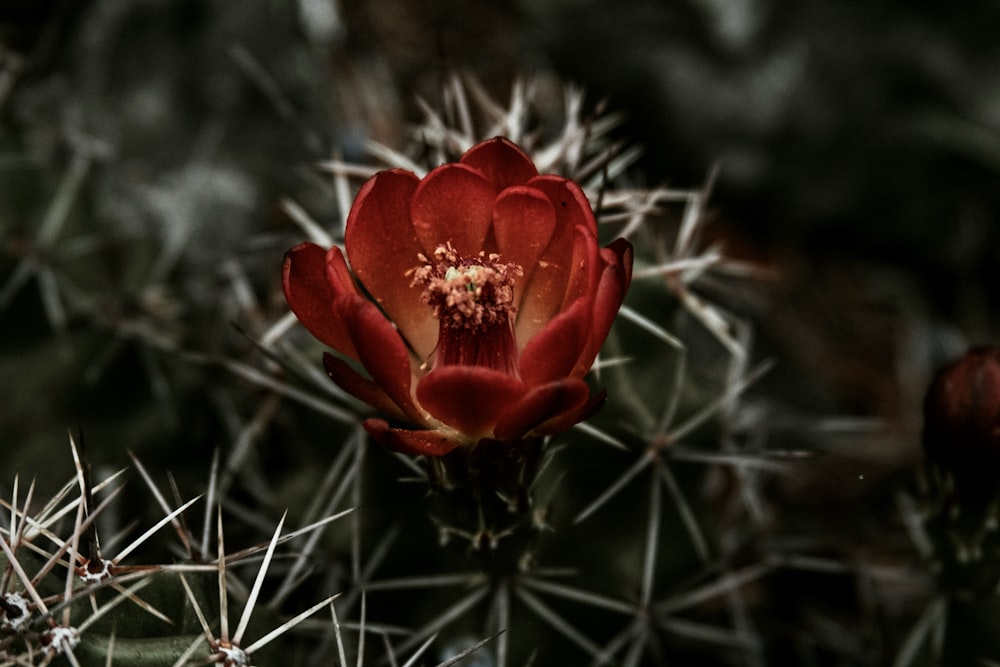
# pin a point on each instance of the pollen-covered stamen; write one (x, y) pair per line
(473, 298)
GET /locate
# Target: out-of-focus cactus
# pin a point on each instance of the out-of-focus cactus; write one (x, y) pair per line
(961, 440)
(962, 431)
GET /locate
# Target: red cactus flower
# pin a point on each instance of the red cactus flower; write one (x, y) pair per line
(489, 300)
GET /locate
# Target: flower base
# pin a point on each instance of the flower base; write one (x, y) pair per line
(482, 495)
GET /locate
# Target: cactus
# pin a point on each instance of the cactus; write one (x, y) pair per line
(516, 553)
(265, 526)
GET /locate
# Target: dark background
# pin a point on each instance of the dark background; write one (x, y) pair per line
(145, 147)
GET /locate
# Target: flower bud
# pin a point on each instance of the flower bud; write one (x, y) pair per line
(962, 427)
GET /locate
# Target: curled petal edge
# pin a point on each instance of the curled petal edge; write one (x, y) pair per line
(622, 249)
(312, 285)
(360, 387)
(608, 298)
(565, 421)
(382, 352)
(542, 406)
(420, 443)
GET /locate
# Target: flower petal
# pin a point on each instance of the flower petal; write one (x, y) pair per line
(468, 398)
(568, 252)
(622, 249)
(607, 301)
(554, 351)
(501, 161)
(311, 295)
(540, 405)
(453, 203)
(419, 443)
(571, 204)
(360, 387)
(560, 273)
(382, 352)
(337, 273)
(568, 419)
(523, 222)
(382, 246)
(586, 268)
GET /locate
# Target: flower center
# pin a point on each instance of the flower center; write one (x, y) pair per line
(473, 299)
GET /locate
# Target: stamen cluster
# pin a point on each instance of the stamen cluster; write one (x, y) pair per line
(467, 292)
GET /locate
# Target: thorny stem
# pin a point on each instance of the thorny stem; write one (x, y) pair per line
(483, 493)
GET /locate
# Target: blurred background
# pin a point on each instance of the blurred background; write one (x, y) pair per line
(146, 147)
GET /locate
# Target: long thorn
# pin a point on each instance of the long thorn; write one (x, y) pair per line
(289, 624)
(223, 594)
(152, 530)
(258, 582)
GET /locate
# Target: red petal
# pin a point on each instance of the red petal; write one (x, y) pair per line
(420, 443)
(468, 398)
(569, 200)
(311, 295)
(565, 421)
(337, 273)
(453, 203)
(540, 405)
(500, 161)
(360, 387)
(608, 299)
(554, 351)
(544, 299)
(622, 249)
(382, 246)
(381, 351)
(568, 251)
(586, 268)
(523, 222)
